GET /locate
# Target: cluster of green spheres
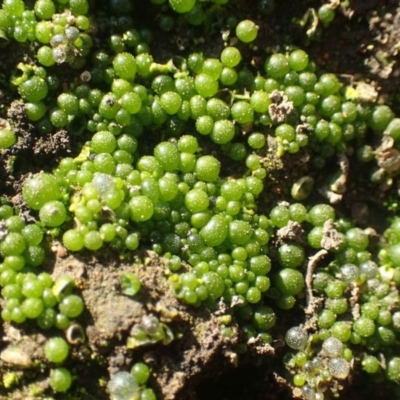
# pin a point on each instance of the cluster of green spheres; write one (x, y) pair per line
(351, 284)
(175, 158)
(128, 385)
(28, 294)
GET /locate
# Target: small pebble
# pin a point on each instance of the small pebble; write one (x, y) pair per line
(15, 356)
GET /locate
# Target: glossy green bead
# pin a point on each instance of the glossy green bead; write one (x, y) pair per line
(290, 282)
(167, 155)
(60, 380)
(14, 223)
(393, 369)
(277, 66)
(215, 231)
(206, 85)
(365, 327)
(14, 263)
(71, 306)
(264, 318)
(253, 295)
(33, 89)
(393, 128)
(32, 288)
(321, 213)
(291, 255)
(341, 330)
(298, 60)
(92, 240)
(326, 318)
(73, 240)
(380, 117)
(196, 201)
(7, 138)
(298, 212)
(141, 372)
(214, 284)
(125, 66)
(370, 364)
(335, 289)
(13, 244)
(357, 239)
(338, 305)
(260, 265)
(231, 56)
(222, 131)
(47, 319)
(32, 307)
(280, 216)
(207, 168)
(182, 6)
(53, 214)
(240, 232)
(40, 189)
(56, 350)
(246, 31)
(370, 310)
(141, 208)
(315, 236)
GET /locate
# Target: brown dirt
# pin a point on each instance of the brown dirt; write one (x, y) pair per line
(198, 349)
